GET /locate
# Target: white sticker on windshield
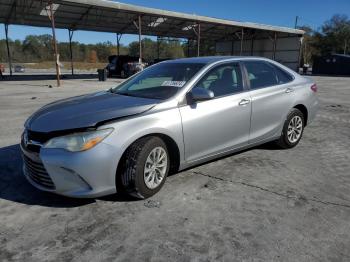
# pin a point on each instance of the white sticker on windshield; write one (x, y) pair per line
(174, 83)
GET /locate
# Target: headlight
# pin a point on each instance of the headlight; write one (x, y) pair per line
(79, 141)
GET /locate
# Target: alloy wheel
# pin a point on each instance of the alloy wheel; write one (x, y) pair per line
(155, 167)
(295, 128)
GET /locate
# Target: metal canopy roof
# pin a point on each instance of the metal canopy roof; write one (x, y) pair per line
(114, 17)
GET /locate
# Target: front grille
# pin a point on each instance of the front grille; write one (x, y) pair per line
(39, 136)
(30, 147)
(37, 173)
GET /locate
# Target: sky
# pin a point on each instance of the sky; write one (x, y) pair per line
(272, 12)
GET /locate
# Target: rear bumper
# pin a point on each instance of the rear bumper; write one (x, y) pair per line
(76, 174)
(312, 110)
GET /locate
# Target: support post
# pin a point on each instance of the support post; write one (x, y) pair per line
(119, 36)
(158, 47)
(52, 18)
(188, 47)
(71, 32)
(301, 52)
(8, 48)
(232, 47)
(242, 38)
(274, 46)
(345, 46)
(252, 47)
(198, 39)
(296, 22)
(140, 41)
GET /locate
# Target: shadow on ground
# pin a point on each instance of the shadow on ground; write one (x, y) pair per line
(14, 187)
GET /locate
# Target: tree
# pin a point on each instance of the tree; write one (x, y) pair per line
(93, 56)
(308, 51)
(334, 36)
(172, 49)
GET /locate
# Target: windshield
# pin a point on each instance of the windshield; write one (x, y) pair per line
(160, 81)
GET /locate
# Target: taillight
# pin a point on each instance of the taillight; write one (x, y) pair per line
(314, 88)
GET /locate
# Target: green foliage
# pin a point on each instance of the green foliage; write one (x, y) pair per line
(333, 37)
(38, 48)
(167, 49)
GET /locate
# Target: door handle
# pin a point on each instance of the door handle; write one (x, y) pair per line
(289, 90)
(244, 102)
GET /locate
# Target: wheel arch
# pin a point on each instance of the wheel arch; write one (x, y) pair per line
(172, 146)
(303, 110)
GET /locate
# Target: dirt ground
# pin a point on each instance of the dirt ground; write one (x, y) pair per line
(260, 205)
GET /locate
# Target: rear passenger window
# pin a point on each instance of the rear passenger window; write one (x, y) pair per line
(264, 74)
(261, 74)
(282, 76)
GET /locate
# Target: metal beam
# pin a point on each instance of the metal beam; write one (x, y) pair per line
(119, 36)
(8, 48)
(70, 33)
(252, 46)
(300, 54)
(81, 18)
(176, 26)
(232, 47)
(158, 47)
(198, 34)
(242, 39)
(13, 6)
(274, 46)
(52, 18)
(121, 30)
(140, 40)
(188, 47)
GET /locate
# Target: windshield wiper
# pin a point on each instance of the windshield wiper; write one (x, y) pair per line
(124, 93)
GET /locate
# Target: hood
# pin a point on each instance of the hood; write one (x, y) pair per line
(86, 111)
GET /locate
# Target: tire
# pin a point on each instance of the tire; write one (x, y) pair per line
(134, 177)
(123, 74)
(287, 139)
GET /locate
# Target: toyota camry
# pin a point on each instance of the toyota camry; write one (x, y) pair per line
(171, 116)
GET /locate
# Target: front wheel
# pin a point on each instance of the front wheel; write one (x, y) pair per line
(145, 167)
(292, 130)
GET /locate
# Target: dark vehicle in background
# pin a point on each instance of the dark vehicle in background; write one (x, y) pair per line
(158, 60)
(123, 65)
(19, 69)
(2, 70)
(335, 64)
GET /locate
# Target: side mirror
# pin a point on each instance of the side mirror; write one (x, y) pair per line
(201, 94)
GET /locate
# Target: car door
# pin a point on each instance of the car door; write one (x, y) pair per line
(271, 91)
(221, 123)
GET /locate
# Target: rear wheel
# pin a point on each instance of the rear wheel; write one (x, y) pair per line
(145, 167)
(123, 74)
(292, 130)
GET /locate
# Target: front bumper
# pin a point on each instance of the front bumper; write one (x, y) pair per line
(84, 174)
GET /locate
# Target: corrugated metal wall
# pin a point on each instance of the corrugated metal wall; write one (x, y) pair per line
(287, 49)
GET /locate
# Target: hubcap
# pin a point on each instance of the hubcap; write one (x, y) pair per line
(155, 167)
(295, 127)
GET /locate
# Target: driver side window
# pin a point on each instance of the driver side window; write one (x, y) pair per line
(223, 80)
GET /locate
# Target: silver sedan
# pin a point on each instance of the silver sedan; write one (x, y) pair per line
(171, 116)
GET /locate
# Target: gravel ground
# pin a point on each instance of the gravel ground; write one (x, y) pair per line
(259, 205)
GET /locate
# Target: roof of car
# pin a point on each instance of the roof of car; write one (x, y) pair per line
(209, 59)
